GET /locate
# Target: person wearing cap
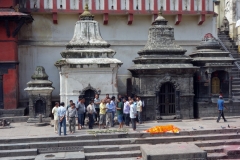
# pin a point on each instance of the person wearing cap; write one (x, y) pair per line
(220, 105)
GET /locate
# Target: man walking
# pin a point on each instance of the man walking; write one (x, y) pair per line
(55, 114)
(139, 110)
(62, 119)
(220, 105)
(72, 114)
(126, 110)
(97, 102)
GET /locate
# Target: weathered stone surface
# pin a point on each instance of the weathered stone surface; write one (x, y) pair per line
(62, 156)
(87, 63)
(173, 151)
(162, 62)
(40, 95)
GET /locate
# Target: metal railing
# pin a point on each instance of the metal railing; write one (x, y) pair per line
(230, 55)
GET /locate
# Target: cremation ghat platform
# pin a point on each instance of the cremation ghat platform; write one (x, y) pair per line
(174, 151)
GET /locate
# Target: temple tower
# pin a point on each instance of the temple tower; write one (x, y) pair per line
(163, 75)
(87, 67)
(213, 77)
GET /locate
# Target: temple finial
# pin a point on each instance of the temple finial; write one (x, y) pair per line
(86, 7)
(160, 11)
(86, 15)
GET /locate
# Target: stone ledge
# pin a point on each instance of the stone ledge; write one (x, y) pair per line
(173, 151)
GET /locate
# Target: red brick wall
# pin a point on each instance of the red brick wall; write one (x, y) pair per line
(9, 53)
(7, 3)
(10, 89)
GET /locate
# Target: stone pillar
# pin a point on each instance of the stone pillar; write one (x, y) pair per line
(178, 109)
(209, 87)
(157, 115)
(230, 86)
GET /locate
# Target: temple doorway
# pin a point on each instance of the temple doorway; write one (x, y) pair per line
(215, 85)
(167, 99)
(40, 107)
(220, 83)
(89, 95)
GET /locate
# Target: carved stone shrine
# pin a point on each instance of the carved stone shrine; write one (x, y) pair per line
(163, 75)
(40, 95)
(214, 75)
(87, 66)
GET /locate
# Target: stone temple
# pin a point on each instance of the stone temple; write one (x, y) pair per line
(163, 75)
(87, 65)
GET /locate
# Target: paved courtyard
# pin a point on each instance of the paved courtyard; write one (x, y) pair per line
(23, 130)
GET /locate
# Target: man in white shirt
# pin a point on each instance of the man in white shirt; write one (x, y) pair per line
(139, 110)
(133, 113)
(62, 119)
(55, 114)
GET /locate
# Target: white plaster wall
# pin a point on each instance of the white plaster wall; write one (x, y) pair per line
(77, 79)
(42, 41)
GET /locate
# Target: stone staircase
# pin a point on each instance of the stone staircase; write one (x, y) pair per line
(218, 143)
(233, 48)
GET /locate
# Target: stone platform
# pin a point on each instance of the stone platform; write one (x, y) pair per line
(217, 140)
(173, 151)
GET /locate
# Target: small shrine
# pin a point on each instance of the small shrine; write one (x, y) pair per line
(40, 96)
(88, 66)
(214, 76)
(163, 75)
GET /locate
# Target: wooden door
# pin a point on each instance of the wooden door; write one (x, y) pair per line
(167, 99)
(89, 95)
(215, 85)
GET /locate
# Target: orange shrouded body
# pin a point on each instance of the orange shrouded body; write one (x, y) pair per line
(163, 129)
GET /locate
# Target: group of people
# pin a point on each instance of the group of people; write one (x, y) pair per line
(128, 109)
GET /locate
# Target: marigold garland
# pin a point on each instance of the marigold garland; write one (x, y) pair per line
(163, 129)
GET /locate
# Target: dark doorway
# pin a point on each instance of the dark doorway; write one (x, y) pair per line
(1, 92)
(167, 99)
(40, 107)
(89, 95)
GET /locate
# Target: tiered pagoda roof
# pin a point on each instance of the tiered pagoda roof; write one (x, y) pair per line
(161, 54)
(87, 45)
(209, 53)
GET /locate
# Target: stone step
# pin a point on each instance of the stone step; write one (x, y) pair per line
(113, 155)
(235, 82)
(236, 93)
(216, 156)
(46, 141)
(213, 149)
(18, 152)
(110, 148)
(215, 143)
(19, 158)
(65, 145)
(232, 151)
(128, 158)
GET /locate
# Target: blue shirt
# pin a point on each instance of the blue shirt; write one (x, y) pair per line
(113, 106)
(109, 107)
(61, 111)
(133, 111)
(220, 104)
